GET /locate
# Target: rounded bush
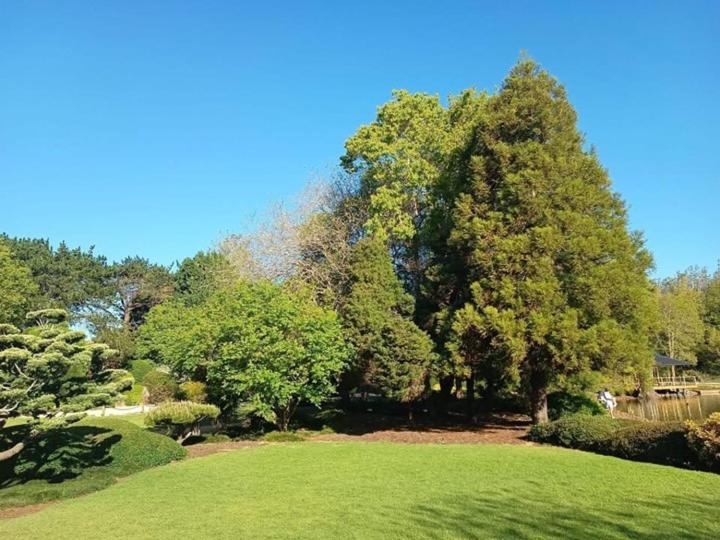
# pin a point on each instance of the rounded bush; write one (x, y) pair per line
(140, 368)
(194, 391)
(161, 386)
(564, 403)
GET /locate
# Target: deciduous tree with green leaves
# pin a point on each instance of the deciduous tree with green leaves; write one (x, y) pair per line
(48, 372)
(257, 346)
(681, 329)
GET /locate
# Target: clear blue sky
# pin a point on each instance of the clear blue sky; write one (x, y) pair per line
(154, 128)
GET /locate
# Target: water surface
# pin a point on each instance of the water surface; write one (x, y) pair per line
(672, 408)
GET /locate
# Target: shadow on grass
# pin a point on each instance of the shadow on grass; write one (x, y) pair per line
(371, 416)
(56, 456)
(502, 514)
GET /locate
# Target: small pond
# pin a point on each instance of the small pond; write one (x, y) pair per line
(672, 407)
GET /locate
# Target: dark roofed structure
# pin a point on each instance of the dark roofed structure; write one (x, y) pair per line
(663, 361)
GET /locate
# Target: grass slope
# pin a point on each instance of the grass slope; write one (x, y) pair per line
(84, 457)
(376, 490)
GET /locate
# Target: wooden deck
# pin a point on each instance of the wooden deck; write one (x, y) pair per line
(689, 383)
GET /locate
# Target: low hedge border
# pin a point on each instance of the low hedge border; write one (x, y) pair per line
(664, 443)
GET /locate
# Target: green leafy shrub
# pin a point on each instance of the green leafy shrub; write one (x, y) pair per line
(140, 368)
(574, 431)
(704, 441)
(655, 442)
(282, 436)
(134, 395)
(564, 403)
(181, 419)
(161, 386)
(194, 391)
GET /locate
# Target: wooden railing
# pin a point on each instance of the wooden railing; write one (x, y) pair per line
(679, 381)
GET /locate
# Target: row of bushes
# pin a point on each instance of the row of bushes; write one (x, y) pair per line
(668, 443)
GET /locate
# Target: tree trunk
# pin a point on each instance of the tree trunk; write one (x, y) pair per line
(13, 451)
(443, 399)
(538, 398)
(470, 395)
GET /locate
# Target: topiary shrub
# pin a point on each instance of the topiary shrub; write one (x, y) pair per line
(140, 368)
(704, 441)
(564, 403)
(161, 386)
(86, 456)
(282, 436)
(181, 419)
(574, 431)
(194, 391)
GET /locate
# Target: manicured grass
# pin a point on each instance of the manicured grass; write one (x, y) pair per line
(381, 490)
(84, 457)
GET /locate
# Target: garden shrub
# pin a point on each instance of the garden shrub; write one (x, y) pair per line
(704, 441)
(134, 395)
(85, 456)
(194, 391)
(283, 436)
(564, 403)
(655, 442)
(181, 419)
(140, 368)
(574, 431)
(161, 386)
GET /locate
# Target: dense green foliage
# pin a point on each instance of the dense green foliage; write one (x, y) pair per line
(48, 372)
(140, 368)
(507, 233)
(68, 278)
(200, 276)
(161, 386)
(392, 355)
(390, 491)
(194, 391)
(18, 291)
(704, 440)
(83, 457)
(181, 419)
(656, 442)
(256, 346)
(565, 403)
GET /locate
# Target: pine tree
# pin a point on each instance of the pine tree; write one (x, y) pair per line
(48, 372)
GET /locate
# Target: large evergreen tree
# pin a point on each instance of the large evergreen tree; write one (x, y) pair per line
(18, 291)
(555, 283)
(392, 354)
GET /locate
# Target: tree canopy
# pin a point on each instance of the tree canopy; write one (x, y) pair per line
(257, 346)
(48, 371)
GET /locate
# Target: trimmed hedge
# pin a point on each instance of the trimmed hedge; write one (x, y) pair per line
(77, 459)
(655, 442)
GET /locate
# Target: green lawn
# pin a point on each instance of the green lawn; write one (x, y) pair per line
(377, 490)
